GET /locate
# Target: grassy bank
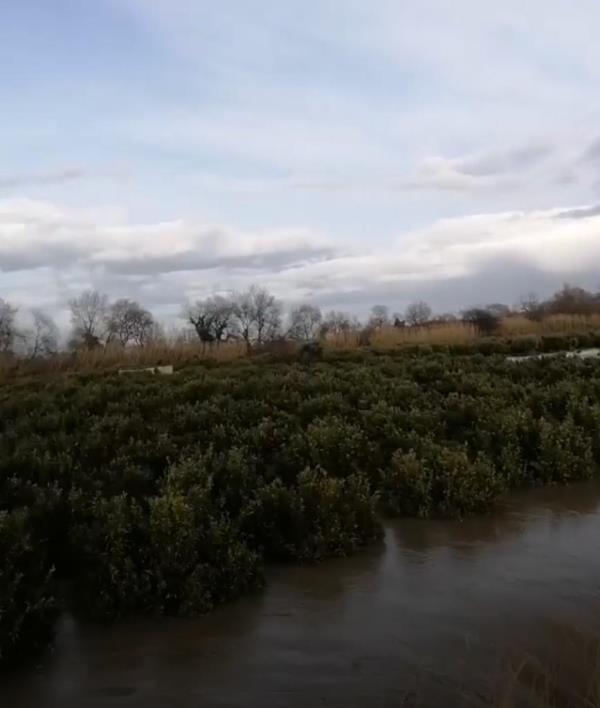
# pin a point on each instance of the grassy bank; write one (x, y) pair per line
(167, 494)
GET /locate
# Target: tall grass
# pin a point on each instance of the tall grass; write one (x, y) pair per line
(180, 353)
(568, 676)
(553, 324)
(446, 333)
(460, 332)
(115, 357)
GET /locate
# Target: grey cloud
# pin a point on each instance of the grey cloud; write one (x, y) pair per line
(274, 261)
(452, 262)
(493, 169)
(36, 235)
(592, 152)
(580, 213)
(503, 162)
(69, 174)
(501, 280)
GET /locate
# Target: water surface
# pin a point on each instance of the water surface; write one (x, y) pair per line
(425, 617)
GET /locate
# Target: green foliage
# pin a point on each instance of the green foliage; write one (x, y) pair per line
(167, 495)
(28, 603)
(442, 481)
(406, 486)
(321, 516)
(565, 452)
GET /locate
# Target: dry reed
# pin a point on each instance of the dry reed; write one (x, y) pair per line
(385, 338)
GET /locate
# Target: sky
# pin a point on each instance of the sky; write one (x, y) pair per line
(339, 152)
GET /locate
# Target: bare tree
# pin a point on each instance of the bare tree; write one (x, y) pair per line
(42, 338)
(336, 322)
(531, 306)
(498, 309)
(379, 317)
(417, 313)
(258, 315)
(213, 319)
(127, 322)
(88, 317)
(447, 317)
(8, 329)
(305, 322)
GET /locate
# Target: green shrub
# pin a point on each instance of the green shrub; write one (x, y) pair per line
(321, 516)
(195, 555)
(461, 486)
(565, 452)
(177, 554)
(406, 486)
(166, 494)
(525, 344)
(442, 482)
(555, 342)
(493, 345)
(340, 514)
(109, 539)
(28, 604)
(335, 445)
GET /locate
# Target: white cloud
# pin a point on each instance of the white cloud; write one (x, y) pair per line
(47, 253)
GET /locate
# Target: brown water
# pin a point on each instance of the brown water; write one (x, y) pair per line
(424, 617)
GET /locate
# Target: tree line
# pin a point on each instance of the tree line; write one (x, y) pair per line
(254, 316)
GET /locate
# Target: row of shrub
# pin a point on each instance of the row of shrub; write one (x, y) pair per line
(520, 345)
(167, 494)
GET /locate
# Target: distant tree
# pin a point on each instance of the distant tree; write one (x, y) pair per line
(447, 317)
(42, 339)
(531, 306)
(305, 322)
(418, 313)
(337, 323)
(485, 321)
(88, 316)
(213, 319)
(128, 322)
(398, 320)
(257, 315)
(380, 316)
(8, 329)
(572, 300)
(498, 309)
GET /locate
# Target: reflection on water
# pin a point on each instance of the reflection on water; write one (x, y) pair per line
(423, 618)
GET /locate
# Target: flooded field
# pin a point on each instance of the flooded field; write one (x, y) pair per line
(424, 618)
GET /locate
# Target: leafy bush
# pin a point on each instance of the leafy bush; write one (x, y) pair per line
(556, 343)
(406, 486)
(525, 344)
(166, 495)
(565, 452)
(177, 554)
(28, 604)
(442, 482)
(321, 516)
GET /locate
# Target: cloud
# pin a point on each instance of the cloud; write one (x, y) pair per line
(48, 252)
(592, 152)
(491, 169)
(64, 175)
(580, 212)
(37, 234)
(68, 174)
(504, 161)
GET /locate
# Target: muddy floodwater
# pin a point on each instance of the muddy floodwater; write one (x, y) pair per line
(426, 617)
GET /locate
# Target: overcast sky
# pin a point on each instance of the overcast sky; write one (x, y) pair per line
(343, 152)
